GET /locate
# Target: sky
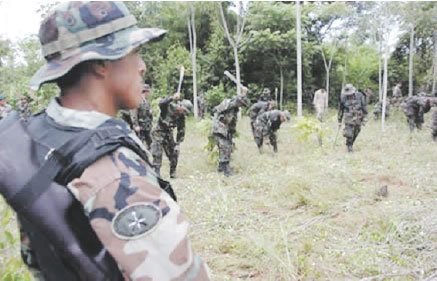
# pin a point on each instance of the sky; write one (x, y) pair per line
(19, 19)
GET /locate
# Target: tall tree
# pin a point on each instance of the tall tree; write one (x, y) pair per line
(193, 51)
(236, 40)
(299, 60)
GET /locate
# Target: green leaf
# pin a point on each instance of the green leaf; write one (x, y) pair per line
(9, 237)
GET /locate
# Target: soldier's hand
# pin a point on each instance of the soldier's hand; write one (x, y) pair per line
(176, 96)
(137, 129)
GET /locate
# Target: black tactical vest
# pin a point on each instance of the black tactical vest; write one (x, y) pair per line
(37, 160)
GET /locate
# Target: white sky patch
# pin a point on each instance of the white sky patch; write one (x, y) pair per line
(19, 19)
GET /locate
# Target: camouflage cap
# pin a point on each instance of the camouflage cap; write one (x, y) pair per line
(79, 31)
(2, 97)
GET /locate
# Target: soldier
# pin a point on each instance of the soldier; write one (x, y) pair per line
(414, 109)
(377, 110)
(320, 103)
(142, 118)
(257, 109)
(397, 95)
(368, 94)
(265, 96)
(267, 124)
(353, 106)
(422, 92)
(5, 108)
(91, 49)
(224, 127)
(172, 116)
(201, 105)
(24, 107)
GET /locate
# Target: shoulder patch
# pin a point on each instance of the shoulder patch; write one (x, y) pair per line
(135, 221)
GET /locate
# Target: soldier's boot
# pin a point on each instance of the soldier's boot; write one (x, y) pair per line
(172, 172)
(350, 148)
(275, 148)
(220, 167)
(227, 169)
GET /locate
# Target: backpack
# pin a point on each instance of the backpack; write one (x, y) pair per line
(37, 160)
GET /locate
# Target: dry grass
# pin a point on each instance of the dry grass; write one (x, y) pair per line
(314, 213)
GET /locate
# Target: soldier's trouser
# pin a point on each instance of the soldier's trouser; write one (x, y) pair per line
(163, 140)
(351, 132)
(252, 126)
(145, 136)
(320, 113)
(225, 148)
(434, 124)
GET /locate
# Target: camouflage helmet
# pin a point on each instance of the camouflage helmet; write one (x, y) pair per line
(266, 91)
(80, 31)
(187, 106)
(348, 89)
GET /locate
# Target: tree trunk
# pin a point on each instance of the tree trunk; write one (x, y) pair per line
(380, 70)
(193, 49)
(281, 91)
(276, 95)
(434, 77)
(299, 61)
(345, 66)
(384, 97)
(410, 76)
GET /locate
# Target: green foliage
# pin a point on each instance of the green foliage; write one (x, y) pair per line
(215, 96)
(309, 126)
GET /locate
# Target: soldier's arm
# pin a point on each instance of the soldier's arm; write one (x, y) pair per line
(340, 111)
(134, 117)
(140, 225)
(364, 105)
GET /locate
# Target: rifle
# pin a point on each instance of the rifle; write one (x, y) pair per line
(181, 78)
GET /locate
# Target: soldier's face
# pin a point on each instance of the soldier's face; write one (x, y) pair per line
(125, 80)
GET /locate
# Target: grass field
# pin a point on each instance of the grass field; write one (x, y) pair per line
(310, 212)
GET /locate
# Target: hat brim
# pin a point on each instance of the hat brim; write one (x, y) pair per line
(110, 47)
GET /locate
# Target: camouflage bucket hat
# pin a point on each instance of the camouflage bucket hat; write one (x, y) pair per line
(79, 31)
(348, 89)
(266, 91)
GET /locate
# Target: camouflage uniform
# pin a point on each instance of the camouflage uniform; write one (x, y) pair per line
(224, 128)
(24, 108)
(353, 106)
(267, 124)
(125, 115)
(265, 96)
(255, 110)
(201, 104)
(377, 110)
(414, 109)
(434, 125)
(320, 103)
(172, 116)
(397, 95)
(142, 117)
(121, 181)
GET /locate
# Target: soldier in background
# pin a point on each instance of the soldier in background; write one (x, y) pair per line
(267, 124)
(397, 95)
(377, 110)
(224, 128)
(142, 118)
(257, 109)
(368, 94)
(201, 104)
(24, 107)
(353, 107)
(4, 107)
(173, 112)
(422, 92)
(265, 96)
(414, 109)
(320, 103)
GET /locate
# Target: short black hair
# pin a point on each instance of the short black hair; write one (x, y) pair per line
(77, 72)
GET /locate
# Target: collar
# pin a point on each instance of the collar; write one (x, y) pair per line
(75, 118)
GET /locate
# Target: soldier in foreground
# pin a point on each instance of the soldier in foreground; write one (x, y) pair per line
(353, 107)
(320, 103)
(173, 112)
(256, 110)
(142, 118)
(136, 221)
(5, 108)
(267, 124)
(224, 128)
(414, 109)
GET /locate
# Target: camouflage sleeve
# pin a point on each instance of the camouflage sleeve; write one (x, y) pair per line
(340, 110)
(137, 222)
(180, 136)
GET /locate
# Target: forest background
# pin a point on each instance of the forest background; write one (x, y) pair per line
(342, 42)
